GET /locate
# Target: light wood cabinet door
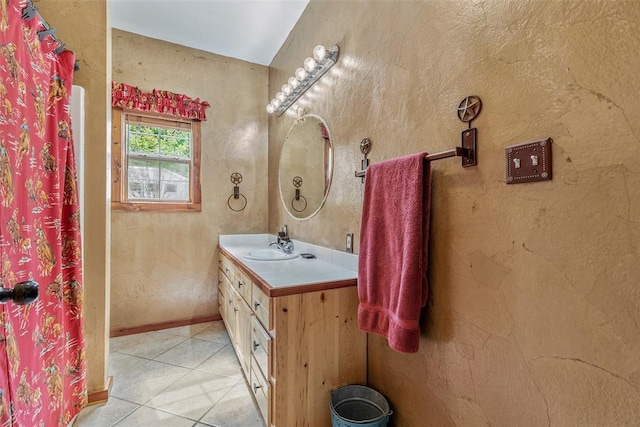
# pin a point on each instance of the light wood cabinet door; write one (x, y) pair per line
(243, 337)
(234, 315)
(318, 347)
(237, 319)
(227, 306)
(222, 299)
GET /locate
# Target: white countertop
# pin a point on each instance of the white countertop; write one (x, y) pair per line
(328, 266)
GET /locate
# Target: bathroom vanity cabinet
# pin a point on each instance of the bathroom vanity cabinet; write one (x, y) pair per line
(295, 343)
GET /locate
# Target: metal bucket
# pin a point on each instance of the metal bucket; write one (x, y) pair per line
(358, 406)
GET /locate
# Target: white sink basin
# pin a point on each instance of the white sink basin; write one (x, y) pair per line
(270, 255)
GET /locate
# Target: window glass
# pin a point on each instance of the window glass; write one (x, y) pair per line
(157, 164)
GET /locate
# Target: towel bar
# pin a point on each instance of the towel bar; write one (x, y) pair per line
(468, 110)
(467, 152)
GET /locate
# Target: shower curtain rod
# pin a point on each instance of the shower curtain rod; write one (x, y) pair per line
(28, 13)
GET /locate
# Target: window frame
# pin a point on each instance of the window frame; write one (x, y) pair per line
(119, 158)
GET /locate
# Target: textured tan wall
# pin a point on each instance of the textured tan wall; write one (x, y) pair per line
(82, 25)
(534, 316)
(164, 265)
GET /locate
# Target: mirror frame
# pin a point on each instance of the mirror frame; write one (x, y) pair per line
(329, 165)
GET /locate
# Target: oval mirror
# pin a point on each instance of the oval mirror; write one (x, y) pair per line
(306, 167)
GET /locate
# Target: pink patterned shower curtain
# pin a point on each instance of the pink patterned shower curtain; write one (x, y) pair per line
(42, 358)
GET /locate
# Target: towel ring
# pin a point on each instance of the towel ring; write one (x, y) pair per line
(244, 204)
(236, 179)
(299, 198)
(297, 182)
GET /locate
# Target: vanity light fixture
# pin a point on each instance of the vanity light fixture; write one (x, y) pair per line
(304, 77)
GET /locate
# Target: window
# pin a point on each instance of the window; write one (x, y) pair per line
(156, 162)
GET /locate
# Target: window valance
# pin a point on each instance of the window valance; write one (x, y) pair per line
(157, 101)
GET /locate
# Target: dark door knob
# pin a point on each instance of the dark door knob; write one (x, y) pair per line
(22, 294)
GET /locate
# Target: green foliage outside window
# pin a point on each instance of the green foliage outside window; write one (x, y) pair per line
(159, 162)
(159, 141)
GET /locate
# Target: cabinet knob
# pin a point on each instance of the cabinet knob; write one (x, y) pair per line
(255, 345)
(235, 309)
(230, 301)
(240, 284)
(256, 305)
(256, 387)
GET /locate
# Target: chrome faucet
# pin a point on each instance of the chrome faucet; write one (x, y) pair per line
(284, 242)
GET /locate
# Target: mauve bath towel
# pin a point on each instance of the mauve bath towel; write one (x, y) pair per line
(392, 261)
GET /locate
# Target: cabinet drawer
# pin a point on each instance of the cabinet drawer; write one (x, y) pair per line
(260, 389)
(225, 285)
(226, 266)
(243, 286)
(261, 306)
(260, 346)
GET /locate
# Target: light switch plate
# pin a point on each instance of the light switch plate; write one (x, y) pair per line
(349, 243)
(529, 162)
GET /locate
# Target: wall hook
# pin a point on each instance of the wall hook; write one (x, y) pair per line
(365, 148)
(468, 110)
(236, 179)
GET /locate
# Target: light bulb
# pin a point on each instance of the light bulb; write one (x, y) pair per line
(319, 52)
(310, 64)
(281, 96)
(293, 82)
(270, 108)
(286, 89)
(301, 74)
(275, 102)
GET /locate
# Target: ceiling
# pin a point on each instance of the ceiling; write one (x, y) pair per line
(250, 30)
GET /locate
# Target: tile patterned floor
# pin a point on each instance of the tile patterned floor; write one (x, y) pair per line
(187, 376)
